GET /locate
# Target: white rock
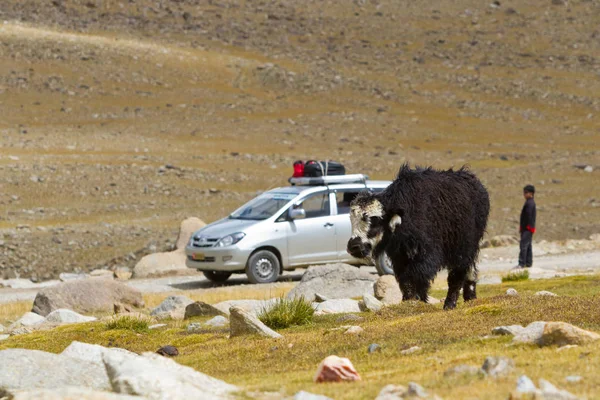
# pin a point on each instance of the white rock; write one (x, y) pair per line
(244, 323)
(91, 352)
(508, 330)
(68, 276)
(253, 307)
(27, 320)
(411, 350)
(217, 321)
(370, 303)
(69, 393)
(589, 168)
(532, 333)
(194, 327)
(512, 292)
(354, 330)
(64, 316)
(498, 366)
(337, 306)
(32, 369)
(159, 378)
(392, 392)
(1, 328)
(387, 290)
(4, 337)
(573, 378)
(187, 227)
(172, 307)
(26, 284)
(545, 293)
(160, 264)
(525, 385)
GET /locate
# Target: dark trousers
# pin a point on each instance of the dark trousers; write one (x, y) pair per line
(526, 255)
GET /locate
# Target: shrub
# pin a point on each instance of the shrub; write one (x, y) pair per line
(287, 312)
(522, 275)
(137, 324)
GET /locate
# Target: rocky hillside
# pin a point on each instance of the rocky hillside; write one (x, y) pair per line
(120, 118)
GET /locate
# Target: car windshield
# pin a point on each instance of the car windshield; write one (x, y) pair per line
(263, 207)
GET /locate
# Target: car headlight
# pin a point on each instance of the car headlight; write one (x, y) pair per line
(230, 239)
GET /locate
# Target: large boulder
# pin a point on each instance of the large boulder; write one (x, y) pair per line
(337, 306)
(93, 353)
(172, 262)
(32, 369)
(156, 377)
(86, 296)
(172, 307)
(69, 393)
(244, 323)
(334, 281)
(160, 264)
(186, 229)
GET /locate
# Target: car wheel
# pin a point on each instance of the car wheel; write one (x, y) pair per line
(217, 276)
(263, 267)
(384, 265)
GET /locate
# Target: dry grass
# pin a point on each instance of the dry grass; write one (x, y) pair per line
(447, 339)
(12, 311)
(516, 276)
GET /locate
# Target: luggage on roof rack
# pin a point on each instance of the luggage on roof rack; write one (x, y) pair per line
(314, 168)
(328, 180)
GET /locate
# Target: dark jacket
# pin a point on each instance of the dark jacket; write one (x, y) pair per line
(528, 216)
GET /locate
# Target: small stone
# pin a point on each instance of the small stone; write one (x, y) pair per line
(194, 327)
(370, 303)
(545, 293)
(336, 369)
(387, 290)
(498, 366)
(4, 337)
(217, 322)
(349, 318)
(27, 320)
(525, 385)
(392, 392)
(415, 390)
(573, 378)
(512, 292)
(567, 347)
(201, 309)
(411, 350)
(561, 334)
(508, 330)
(244, 323)
(374, 347)
(123, 273)
(463, 370)
(168, 351)
(589, 168)
(354, 330)
(172, 307)
(337, 306)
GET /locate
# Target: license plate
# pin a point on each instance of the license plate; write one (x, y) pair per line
(198, 256)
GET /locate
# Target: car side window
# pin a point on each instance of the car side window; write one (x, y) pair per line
(316, 205)
(343, 200)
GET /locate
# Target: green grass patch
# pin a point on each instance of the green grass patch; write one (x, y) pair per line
(287, 312)
(516, 276)
(129, 323)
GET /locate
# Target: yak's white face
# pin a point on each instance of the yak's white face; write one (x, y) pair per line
(367, 217)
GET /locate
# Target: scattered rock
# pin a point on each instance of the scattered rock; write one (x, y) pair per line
(91, 352)
(512, 292)
(545, 293)
(64, 316)
(201, 309)
(387, 290)
(217, 322)
(157, 377)
(168, 351)
(173, 307)
(4, 337)
(123, 273)
(336, 369)
(86, 296)
(354, 330)
(411, 350)
(27, 320)
(68, 276)
(302, 395)
(573, 378)
(562, 334)
(398, 392)
(349, 318)
(244, 323)
(102, 274)
(194, 327)
(370, 303)
(32, 369)
(525, 385)
(526, 390)
(463, 369)
(498, 366)
(373, 348)
(589, 168)
(186, 229)
(532, 333)
(508, 330)
(337, 306)
(335, 281)
(319, 298)
(161, 264)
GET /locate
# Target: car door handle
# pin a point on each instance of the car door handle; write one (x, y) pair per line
(328, 225)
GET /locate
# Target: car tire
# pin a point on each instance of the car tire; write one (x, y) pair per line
(383, 264)
(263, 267)
(217, 276)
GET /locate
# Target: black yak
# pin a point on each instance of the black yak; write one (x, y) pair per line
(426, 220)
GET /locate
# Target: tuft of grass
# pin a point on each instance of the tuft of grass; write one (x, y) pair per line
(516, 276)
(130, 323)
(489, 309)
(286, 313)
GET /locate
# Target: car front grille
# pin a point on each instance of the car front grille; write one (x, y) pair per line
(204, 241)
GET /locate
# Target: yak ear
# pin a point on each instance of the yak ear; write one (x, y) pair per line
(395, 222)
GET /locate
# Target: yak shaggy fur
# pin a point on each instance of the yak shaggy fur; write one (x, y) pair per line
(426, 220)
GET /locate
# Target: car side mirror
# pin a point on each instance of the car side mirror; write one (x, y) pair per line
(297, 213)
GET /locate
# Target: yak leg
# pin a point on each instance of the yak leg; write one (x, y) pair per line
(408, 290)
(470, 285)
(414, 287)
(456, 280)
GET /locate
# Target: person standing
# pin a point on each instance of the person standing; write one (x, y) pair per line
(527, 227)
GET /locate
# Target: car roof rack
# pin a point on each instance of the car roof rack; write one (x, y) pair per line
(329, 180)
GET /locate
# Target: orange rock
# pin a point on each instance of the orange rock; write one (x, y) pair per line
(336, 369)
